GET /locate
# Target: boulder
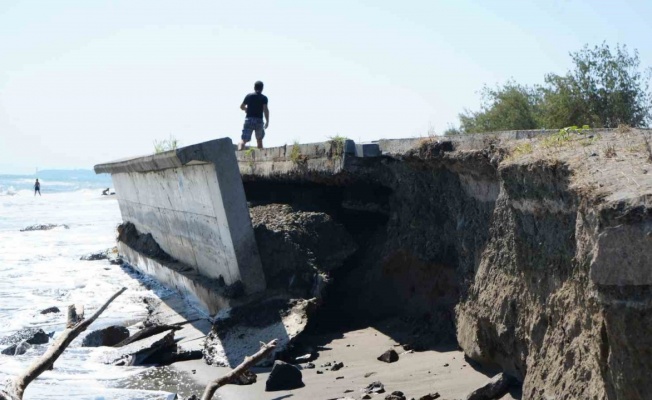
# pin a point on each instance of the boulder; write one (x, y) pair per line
(396, 395)
(337, 366)
(51, 310)
(17, 349)
(284, 377)
(389, 356)
(496, 388)
(29, 335)
(106, 337)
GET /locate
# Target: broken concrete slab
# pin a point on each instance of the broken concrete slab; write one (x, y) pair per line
(238, 332)
(142, 352)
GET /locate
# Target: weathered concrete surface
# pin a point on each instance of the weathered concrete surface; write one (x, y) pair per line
(192, 202)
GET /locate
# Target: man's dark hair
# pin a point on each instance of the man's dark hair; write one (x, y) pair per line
(258, 86)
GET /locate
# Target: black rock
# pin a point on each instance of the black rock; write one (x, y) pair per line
(106, 337)
(389, 356)
(337, 366)
(16, 349)
(100, 255)
(246, 378)
(29, 335)
(396, 395)
(310, 365)
(51, 310)
(430, 396)
(43, 227)
(283, 377)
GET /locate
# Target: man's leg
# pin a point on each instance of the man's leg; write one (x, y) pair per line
(260, 134)
(247, 130)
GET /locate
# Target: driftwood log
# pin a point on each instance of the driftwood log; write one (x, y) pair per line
(75, 325)
(248, 362)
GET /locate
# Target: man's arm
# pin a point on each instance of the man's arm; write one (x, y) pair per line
(243, 107)
(266, 111)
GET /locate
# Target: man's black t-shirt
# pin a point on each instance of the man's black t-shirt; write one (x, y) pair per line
(255, 102)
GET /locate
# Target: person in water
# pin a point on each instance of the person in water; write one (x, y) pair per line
(255, 105)
(37, 187)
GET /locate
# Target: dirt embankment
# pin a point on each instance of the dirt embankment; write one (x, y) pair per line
(531, 255)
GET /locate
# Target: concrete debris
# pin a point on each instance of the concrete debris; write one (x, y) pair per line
(284, 377)
(375, 387)
(145, 333)
(50, 310)
(238, 332)
(142, 352)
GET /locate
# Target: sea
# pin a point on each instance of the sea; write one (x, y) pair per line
(42, 269)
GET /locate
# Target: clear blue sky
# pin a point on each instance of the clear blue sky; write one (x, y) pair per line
(87, 81)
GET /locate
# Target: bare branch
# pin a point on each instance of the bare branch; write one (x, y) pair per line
(248, 362)
(18, 385)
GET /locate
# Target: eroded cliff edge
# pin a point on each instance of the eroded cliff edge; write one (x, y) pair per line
(531, 254)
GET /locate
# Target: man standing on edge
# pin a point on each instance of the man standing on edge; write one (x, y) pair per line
(37, 187)
(254, 104)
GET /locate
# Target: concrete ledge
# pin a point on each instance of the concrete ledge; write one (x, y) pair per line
(192, 202)
(202, 293)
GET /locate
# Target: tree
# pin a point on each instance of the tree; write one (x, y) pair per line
(511, 106)
(605, 89)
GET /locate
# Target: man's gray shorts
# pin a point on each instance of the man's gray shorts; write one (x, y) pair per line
(253, 124)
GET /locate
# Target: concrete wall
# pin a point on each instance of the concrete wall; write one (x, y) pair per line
(192, 202)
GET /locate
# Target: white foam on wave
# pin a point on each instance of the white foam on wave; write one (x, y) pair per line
(41, 269)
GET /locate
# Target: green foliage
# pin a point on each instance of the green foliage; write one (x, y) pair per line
(604, 89)
(521, 149)
(337, 144)
(452, 130)
(295, 154)
(161, 146)
(564, 135)
(511, 106)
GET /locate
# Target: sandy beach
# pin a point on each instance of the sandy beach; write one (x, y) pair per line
(415, 373)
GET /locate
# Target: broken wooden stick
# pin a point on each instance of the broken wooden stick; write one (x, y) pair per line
(75, 326)
(248, 362)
